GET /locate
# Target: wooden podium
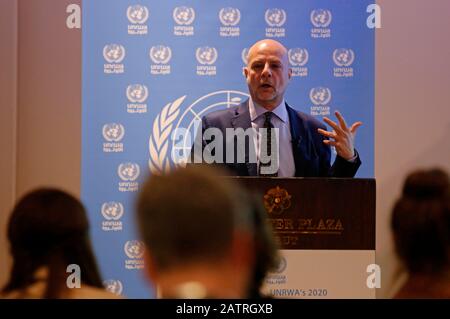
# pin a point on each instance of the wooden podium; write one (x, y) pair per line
(325, 228)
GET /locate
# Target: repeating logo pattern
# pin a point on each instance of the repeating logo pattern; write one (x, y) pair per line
(113, 286)
(298, 56)
(275, 19)
(134, 249)
(229, 17)
(321, 20)
(113, 132)
(137, 14)
(206, 55)
(137, 93)
(320, 97)
(343, 57)
(160, 54)
(184, 15)
(114, 53)
(112, 213)
(112, 210)
(128, 171)
(184, 18)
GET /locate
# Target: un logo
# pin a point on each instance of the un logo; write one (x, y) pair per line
(137, 93)
(112, 210)
(320, 96)
(206, 55)
(113, 132)
(128, 171)
(134, 249)
(229, 16)
(298, 56)
(160, 54)
(137, 14)
(171, 121)
(244, 56)
(343, 57)
(114, 53)
(113, 286)
(282, 265)
(275, 17)
(183, 15)
(321, 18)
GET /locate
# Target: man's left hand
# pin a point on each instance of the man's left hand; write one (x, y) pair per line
(342, 137)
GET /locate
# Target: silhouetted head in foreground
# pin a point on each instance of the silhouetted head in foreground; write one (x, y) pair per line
(199, 232)
(421, 228)
(47, 231)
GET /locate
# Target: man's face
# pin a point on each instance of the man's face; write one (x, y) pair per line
(267, 73)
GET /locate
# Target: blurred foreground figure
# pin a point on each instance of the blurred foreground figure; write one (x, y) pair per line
(202, 237)
(421, 227)
(48, 231)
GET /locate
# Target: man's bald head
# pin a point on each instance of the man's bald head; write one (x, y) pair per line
(267, 73)
(266, 44)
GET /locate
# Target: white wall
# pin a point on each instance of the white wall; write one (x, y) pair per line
(8, 108)
(40, 104)
(412, 113)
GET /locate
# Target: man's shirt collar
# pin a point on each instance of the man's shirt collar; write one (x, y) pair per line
(257, 110)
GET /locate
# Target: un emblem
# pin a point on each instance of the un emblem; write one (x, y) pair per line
(321, 18)
(112, 210)
(229, 16)
(298, 56)
(134, 249)
(244, 56)
(114, 53)
(113, 286)
(169, 121)
(343, 57)
(206, 55)
(137, 93)
(282, 265)
(320, 96)
(137, 14)
(183, 15)
(275, 17)
(160, 54)
(113, 132)
(128, 171)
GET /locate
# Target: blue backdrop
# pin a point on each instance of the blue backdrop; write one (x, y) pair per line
(150, 67)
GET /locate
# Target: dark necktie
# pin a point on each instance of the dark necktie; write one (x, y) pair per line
(266, 138)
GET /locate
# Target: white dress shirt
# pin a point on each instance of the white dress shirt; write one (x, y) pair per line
(279, 120)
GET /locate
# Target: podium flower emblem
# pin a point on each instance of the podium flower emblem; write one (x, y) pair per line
(277, 200)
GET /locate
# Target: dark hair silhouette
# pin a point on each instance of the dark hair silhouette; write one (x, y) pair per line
(49, 228)
(421, 222)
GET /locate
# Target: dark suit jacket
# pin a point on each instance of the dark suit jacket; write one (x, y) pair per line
(311, 155)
